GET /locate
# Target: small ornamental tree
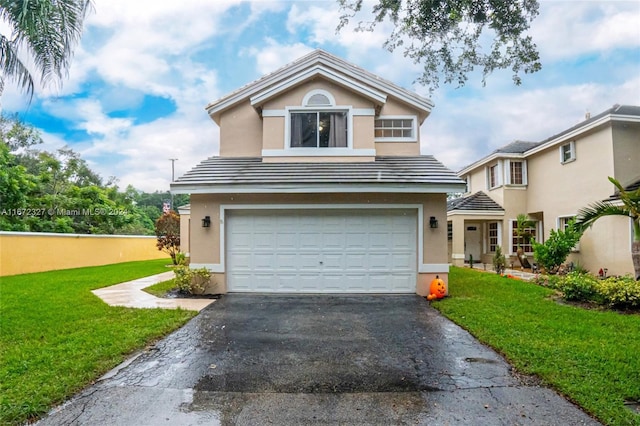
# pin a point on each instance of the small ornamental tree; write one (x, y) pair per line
(555, 250)
(499, 261)
(168, 234)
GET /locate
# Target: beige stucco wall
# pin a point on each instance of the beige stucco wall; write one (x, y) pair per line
(273, 136)
(240, 132)
(294, 96)
(561, 189)
(25, 252)
(205, 242)
(185, 226)
(626, 161)
(397, 148)
(243, 133)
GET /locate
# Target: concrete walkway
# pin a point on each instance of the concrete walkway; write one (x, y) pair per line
(130, 294)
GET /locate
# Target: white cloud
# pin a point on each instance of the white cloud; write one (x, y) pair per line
(464, 130)
(275, 55)
(569, 29)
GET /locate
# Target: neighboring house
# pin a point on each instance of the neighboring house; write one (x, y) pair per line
(320, 186)
(551, 181)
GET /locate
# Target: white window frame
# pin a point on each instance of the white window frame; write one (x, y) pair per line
(561, 224)
(507, 172)
(318, 151)
(318, 111)
(513, 250)
(467, 181)
(572, 152)
(498, 236)
(414, 128)
(498, 177)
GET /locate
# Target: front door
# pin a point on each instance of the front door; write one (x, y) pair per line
(472, 242)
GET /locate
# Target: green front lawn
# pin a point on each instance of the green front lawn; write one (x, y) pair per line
(591, 356)
(56, 337)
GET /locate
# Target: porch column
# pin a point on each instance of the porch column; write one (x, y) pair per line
(457, 244)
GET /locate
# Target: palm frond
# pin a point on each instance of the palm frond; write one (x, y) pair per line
(45, 30)
(588, 215)
(13, 68)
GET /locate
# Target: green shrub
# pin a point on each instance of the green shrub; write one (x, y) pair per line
(181, 258)
(620, 292)
(579, 287)
(556, 248)
(192, 281)
(551, 281)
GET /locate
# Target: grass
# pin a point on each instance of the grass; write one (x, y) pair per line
(56, 337)
(161, 289)
(590, 356)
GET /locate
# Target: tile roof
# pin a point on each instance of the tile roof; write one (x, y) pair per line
(517, 147)
(477, 201)
(414, 172)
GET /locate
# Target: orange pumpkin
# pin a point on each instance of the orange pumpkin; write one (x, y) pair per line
(437, 289)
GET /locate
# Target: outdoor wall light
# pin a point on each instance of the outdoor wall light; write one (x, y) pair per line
(206, 222)
(433, 222)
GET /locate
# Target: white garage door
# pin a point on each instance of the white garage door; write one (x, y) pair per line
(321, 251)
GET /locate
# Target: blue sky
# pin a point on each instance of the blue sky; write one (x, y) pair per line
(145, 70)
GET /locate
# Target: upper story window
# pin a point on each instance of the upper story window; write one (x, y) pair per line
(395, 129)
(318, 123)
(493, 178)
(319, 129)
(467, 181)
(516, 171)
(568, 152)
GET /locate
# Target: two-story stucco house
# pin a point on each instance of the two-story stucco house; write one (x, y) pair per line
(320, 186)
(550, 181)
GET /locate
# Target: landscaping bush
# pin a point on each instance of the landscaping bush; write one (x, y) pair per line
(551, 281)
(619, 292)
(192, 281)
(577, 286)
(554, 251)
(499, 262)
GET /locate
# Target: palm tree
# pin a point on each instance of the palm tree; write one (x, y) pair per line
(628, 205)
(42, 36)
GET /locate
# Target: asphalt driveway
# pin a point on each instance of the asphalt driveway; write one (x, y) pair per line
(256, 360)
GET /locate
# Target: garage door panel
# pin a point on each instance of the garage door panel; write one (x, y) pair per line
(288, 282)
(356, 262)
(286, 261)
(309, 283)
(308, 262)
(239, 261)
(286, 241)
(399, 282)
(264, 261)
(356, 241)
(355, 283)
(264, 240)
(321, 251)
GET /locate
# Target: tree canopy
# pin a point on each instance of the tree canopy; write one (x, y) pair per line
(451, 38)
(43, 191)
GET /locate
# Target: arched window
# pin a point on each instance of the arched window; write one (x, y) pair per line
(318, 98)
(318, 123)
